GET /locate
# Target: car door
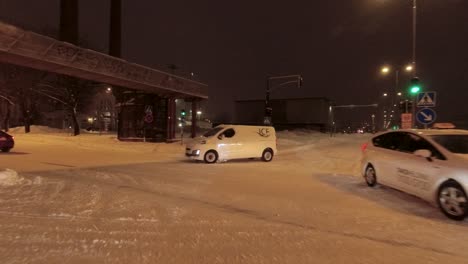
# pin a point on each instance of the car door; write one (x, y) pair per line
(382, 156)
(228, 144)
(416, 174)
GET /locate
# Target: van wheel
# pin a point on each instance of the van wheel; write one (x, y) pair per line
(267, 155)
(211, 156)
(453, 201)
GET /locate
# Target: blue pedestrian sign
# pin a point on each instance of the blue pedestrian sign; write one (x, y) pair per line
(426, 116)
(426, 99)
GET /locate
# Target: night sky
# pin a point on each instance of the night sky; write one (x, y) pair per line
(337, 45)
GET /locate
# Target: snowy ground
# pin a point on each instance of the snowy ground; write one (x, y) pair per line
(92, 199)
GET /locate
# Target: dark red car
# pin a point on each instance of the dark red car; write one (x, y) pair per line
(7, 142)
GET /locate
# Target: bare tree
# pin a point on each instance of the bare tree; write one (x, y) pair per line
(69, 91)
(16, 88)
(5, 94)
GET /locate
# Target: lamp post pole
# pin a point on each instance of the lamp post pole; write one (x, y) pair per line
(414, 34)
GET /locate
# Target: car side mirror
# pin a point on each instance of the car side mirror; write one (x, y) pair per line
(221, 137)
(424, 153)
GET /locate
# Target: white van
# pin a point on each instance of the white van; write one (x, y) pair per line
(227, 142)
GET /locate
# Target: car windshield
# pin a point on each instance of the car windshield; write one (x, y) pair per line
(454, 143)
(213, 132)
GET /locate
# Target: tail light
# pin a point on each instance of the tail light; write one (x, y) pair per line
(364, 147)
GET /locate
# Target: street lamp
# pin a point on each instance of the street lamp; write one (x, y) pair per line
(413, 63)
(387, 69)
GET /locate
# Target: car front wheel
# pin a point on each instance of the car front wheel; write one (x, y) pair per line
(370, 176)
(453, 201)
(211, 156)
(6, 149)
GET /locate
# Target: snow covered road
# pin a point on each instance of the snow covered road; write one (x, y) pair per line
(95, 200)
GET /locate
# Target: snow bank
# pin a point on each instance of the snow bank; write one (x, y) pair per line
(38, 130)
(9, 178)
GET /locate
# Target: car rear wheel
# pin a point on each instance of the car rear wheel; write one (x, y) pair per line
(370, 176)
(211, 156)
(267, 155)
(453, 201)
(6, 149)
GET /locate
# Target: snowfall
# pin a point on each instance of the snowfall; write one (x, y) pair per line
(94, 199)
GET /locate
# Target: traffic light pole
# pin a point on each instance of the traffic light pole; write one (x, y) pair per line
(413, 111)
(268, 109)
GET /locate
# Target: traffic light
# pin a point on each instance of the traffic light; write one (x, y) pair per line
(268, 111)
(300, 82)
(182, 117)
(415, 86)
(406, 106)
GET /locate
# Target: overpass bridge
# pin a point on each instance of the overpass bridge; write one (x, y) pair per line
(156, 89)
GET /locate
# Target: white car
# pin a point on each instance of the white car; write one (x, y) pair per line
(430, 164)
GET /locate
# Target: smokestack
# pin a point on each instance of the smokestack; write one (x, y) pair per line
(115, 36)
(69, 21)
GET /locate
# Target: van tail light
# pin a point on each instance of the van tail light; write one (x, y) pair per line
(364, 147)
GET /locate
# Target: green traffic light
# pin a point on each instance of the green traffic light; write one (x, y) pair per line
(415, 89)
(415, 86)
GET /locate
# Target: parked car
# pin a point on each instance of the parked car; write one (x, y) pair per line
(7, 142)
(430, 164)
(227, 142)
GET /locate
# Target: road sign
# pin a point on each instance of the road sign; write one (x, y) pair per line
(426, 99)
(406, 120)
(426, 116)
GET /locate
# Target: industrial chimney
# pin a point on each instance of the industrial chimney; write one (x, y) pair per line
(115, 36)
(69, 21)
